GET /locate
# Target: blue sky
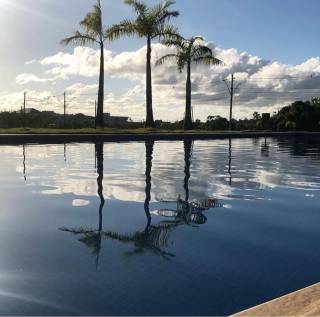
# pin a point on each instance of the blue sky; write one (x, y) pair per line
(275, 30)
(284, 30)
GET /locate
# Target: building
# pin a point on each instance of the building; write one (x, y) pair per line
(114, 120)
(31, 111)
(266, 121)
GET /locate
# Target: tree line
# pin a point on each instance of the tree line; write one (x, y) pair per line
(151, 23)
(299, 116)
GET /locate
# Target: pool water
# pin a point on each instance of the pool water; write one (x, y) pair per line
(157, 228)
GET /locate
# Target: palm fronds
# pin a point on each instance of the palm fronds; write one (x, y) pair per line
(79, 39)
(149, 22)
(165, 32)
(201, 50)
(208, 60)
(139, 7)
(92, 29)
(190, 50)
(92, 23)
(161, 14)
(125, 28)
(165, 58)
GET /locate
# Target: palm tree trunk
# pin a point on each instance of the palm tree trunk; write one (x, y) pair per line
(187, 161)
(99, 157)
(100, 111)
(188, 117)
(149, 157)
(149, 110)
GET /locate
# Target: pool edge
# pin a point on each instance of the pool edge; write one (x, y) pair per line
(12, 139)
(304, 302)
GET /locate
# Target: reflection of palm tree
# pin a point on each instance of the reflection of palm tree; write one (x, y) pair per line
(152, 238)
(187, 161)
(99, 155)
(149, 157)
(65, 152)
(189, 212)
(92, 238)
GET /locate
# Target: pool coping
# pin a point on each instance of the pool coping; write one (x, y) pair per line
(12, 139)
(304, 302)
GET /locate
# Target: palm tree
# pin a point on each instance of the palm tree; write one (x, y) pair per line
(93, 33)
(150, 23)
(188, 51)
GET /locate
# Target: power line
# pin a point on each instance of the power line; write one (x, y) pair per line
(283, 78)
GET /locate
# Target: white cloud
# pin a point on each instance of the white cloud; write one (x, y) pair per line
(84, 61)
(124, 174)
(265, 86)
(80, 89)
(33, 61)
(41, 100)
(23, 79)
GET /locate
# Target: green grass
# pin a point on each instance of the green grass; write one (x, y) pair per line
(98, 131)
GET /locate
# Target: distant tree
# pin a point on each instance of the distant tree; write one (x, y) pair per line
(188, 51)
(256, 116)
(150, 23)
(290, 125)
(315, 101)
(93, 33)
(216, 123)
(300, 116)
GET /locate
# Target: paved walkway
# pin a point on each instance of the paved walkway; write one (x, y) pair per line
(305, 302)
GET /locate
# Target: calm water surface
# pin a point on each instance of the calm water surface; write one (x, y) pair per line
(157, 228)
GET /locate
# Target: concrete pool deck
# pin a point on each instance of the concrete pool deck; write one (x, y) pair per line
(305, 302)
(51, 138)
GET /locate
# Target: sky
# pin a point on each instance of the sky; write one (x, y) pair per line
(271, 46)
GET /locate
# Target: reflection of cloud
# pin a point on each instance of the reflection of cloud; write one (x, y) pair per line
(268, 179)
(124, 170)
(310, 196)
(80, 203)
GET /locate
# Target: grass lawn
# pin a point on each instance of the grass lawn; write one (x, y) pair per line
(100, 131)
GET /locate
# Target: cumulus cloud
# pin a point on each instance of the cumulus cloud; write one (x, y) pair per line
(41, 100)
(83, 61)
(265, 86)
(23, 79)
(124, 175)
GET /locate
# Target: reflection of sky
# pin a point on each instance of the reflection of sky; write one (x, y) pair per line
(265, 238)
(254, 166)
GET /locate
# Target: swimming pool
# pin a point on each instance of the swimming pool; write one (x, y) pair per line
(157, 228)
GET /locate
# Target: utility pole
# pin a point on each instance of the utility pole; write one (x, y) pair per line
(64, 109)
(231, 101)
(24, 108)
(231, 90)
(24, 161)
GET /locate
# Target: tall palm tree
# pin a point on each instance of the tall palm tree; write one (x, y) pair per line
(150, 23)
(188, 51)
(93, 33)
